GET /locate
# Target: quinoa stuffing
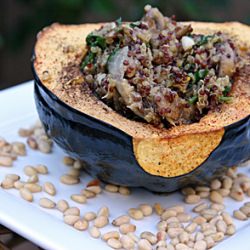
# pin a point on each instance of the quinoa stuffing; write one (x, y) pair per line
(156, 70)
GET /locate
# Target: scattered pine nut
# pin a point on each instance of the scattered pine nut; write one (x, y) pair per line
(19, 184)
(94, 232)
(78, 198)
(188, 191)
(168, 213)
(215, 184)
(144, 244)
(158, 208)
(25, 132)
(200, 207)
(127, 228)
(72, 211)
(71, 219)
(29, 170)
(49, 188)
(6, 161)
(192, 199)
(237, 195)
(33, 179)
(81, 225)
(13, 177)
(103, 211)
(127, 242)
(239, 215)
(68, 161)
(149, 236)
(74, 172)
(19, 148)
(33, 187)
(216, 197)
(94, 189)
(46, 203)
(124, 190)
(146, 209)
(41, 169)
(7, 183)
(69, 180)
(135, 214)
(26, 194)
(101, 221)
(88, 193)
(123, 219)
(111, 188)
(89, 216)
(111, 234)
(62, 205)
(231, 230)
(114, 243)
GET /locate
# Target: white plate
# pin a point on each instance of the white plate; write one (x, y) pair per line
(45, 227)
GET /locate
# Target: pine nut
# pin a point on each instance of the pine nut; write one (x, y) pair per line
(161, 236)
(149, 236)
(158, 208)
(216, 197)
(81, 225)
(6, 161)
(31, 141)
(29, 170)
(239, 215)
(62, 205)
(13, 177)
(123, 219)
(178, 208)
(231, 230)
(111, 235)
(104, 211)
(78, 198)
(94, 232)
(184, 237)
(71, 219)
(33, 187)
(88, 194)
(26, 194)
(69, 180)
(114, 243)
(188, 191)
(174, 232)
(200, 245)
(94, 189)
(209, 213)
(227, 182)
(135, 214)
(111, 188)
(215, 219)
(218, 236)
(183, 217)
(101, 221)
(199, 220)
(89, 216)
(237, 195)
(200, 207)
(19, 184)
(223, 192)
(143, 244)
(174, 224)
(74, 172)
(175, 241)
(217, 207)
(7, 183)
(172, 219)
(146, 209)
(215, 184)
(127, 242)
(42, 169)
(204, 194)
(191, 227)
(168, 213)
(210, 242)
(68, 161)
(49, 188)
(221, 226)
(46, 203)
(245, 210)
(19, 148)
(24, 132)
(72, 211)
(126, 228)
(77, 164)
(192, 199)
(209, 232)
(207, 226)
(124, 190)
(227, 218)
(33, 179)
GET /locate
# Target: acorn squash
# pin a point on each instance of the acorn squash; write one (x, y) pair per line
(118, 150)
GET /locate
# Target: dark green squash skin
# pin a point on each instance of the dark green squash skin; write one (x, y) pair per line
(108, 151)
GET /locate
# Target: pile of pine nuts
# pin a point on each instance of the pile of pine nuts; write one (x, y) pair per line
(176, 229)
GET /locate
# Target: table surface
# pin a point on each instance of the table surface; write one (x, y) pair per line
(45, 227)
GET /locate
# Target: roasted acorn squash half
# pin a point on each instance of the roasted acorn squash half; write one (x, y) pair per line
(126, 152)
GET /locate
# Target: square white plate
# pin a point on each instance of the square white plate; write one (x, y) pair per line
(45, 227)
